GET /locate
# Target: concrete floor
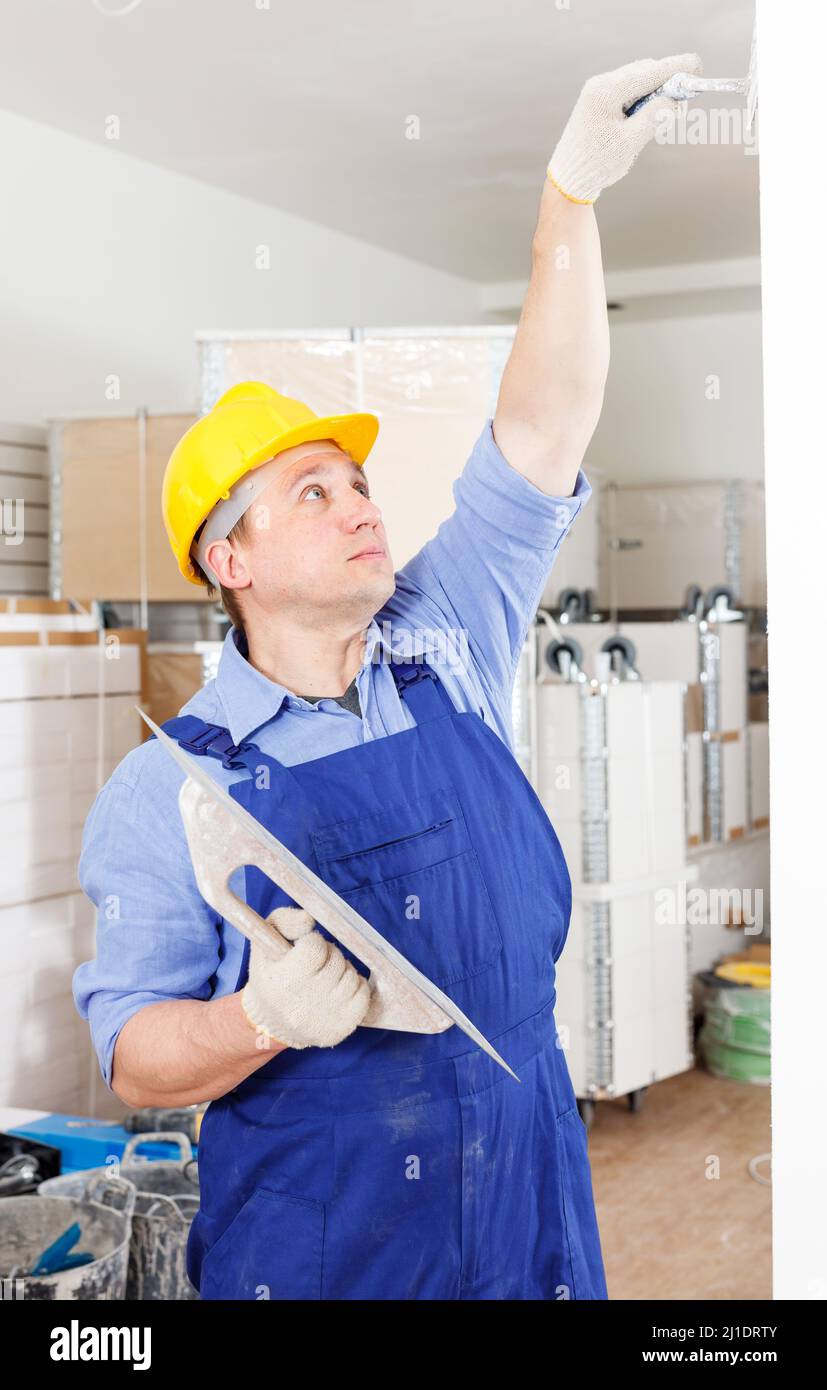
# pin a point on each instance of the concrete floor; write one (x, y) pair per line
(668, 1230)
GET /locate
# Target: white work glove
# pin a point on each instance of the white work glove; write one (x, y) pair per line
(600, 143)
(313, 996)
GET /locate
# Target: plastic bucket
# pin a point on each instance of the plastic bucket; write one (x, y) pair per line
(167, 1197)
(28, 1225)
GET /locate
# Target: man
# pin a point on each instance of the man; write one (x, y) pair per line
(341, 1161)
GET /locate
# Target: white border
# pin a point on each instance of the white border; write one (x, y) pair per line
(792, 42)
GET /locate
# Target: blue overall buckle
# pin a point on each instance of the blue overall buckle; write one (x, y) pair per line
(216, 743)
(229, 758)
(200, 744)
(406, 677)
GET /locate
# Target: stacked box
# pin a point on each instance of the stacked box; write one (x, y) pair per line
(67, 718)
(610, 770)
(717, 710)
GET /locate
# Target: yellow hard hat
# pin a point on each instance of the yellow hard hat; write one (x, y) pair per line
(246, 427)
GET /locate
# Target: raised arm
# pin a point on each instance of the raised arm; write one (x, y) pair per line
(551, 392)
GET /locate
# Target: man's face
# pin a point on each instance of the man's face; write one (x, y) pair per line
(314, 541)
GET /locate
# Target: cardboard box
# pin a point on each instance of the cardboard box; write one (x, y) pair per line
(14, 603)
(694, 708)
(112, 539)
(173, 677)
(757, 952)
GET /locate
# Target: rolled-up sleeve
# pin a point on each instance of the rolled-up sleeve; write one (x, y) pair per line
(486, 568)
(157, 939)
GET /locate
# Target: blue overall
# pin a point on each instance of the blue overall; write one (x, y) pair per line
(402, 1165)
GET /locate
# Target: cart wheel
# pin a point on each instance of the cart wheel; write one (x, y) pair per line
(635, 1099)
(586, 1108)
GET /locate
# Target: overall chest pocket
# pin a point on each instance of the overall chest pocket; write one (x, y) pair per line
(411, 870)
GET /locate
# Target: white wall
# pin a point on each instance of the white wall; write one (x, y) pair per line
(109, 265)
(657, 422)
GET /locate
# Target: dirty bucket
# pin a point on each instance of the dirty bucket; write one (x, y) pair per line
(166, 1200)
(28, 1225)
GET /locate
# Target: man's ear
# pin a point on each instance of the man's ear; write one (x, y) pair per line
(227, 564)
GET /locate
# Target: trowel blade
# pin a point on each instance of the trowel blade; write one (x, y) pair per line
(338, 907)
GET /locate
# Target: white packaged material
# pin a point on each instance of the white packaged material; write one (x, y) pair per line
(37, 672)
(47, 622)
(60, 734)
(610, 763)
(625, 1021)
(671, 651)
(712, 660)
(63, 729)
(67, 718)
(27, 882)
(641, 776)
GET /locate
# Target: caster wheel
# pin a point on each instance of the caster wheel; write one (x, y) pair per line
(586, 1108)
(635, 1099)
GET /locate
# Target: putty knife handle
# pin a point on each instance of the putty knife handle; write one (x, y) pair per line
(212, 868)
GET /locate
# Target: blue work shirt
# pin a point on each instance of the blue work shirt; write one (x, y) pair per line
(464, 603)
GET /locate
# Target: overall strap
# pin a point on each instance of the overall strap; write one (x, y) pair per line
(417, 683)
(196, 736)
(422, 690)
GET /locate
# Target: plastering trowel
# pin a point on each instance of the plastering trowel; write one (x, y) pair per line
(223, 836)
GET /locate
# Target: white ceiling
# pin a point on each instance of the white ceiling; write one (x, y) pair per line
(304, 106)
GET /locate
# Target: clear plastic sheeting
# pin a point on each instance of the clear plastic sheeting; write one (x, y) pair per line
(659, 539)
(433, 390)
(425, 373)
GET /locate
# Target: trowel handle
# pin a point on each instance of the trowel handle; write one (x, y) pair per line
(233, 909)
(213, 860)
